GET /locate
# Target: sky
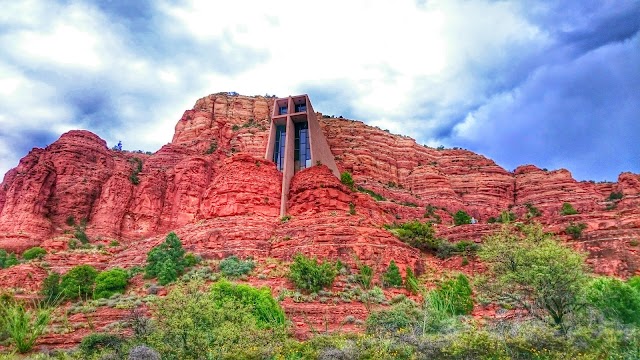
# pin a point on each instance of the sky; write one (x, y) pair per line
(550, 83)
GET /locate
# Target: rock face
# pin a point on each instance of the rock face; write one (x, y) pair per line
(212, 186)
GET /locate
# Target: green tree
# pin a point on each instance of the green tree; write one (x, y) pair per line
(78, 282)
(616, 299)
(392, 277)
(417, 234)
(534, 271)
(110, 282)
(258, 302)
(51, 290)
(308, 274)
(166, 261)
(567, 209)
(34, 253)
(461, 218)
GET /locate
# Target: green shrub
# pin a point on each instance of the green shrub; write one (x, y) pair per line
(352, 208)
(403, 315)
(616, 299)
(417, 234)
(453, 296)
(34, 253)
(258, 302)
(575, 230)
(166, 261)
(615, 196)
(567, 209)
(110, 282)
(81, 235)
(78, 282)
(308, 274)
(347, 180)
(137, 168)
(190, 259)
(22, 325)
(51, 290)
(506, 217)
(461, 218)
(532, 211)
(70, 221)
(392, 277)
(411, 282)
(99, 342)
(365, 276)
(212, 147)
(374, 195)
(7, 260)
(234, 267)
(634, 282)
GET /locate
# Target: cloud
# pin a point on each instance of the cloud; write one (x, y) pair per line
(476, 74)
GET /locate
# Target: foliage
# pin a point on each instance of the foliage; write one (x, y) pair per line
(506, 217)
(51, 290)
(212, 147)
(575, 230)
(24, 325)
(234, 267)
(452, 297)
(98, 342)
(417, 234)
(308, 274)
(166, 261)
(352, 208)
(374, 195)
(34, 253)
(190, 324)
(392, 277)
(78, 282)
(533, 271)
(347, 179)
(110, 282)
(411, 282)
(567, 209)
(365, 276)
(7, 260)
(615, 195)
(616, 299)
(403, 315)
(81, 235)
(258, 302)
(137, 168)
(70, 221)
(461, 218)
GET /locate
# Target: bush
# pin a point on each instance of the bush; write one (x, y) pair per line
(23, 326)
(452, 297)
(461, 218)
(567, 209)
(137, 168)
(234, 267)
(575, 230)
(51, 290)
(110, 282)
(347, 180)
(615, 196)
(506, 217)
(616, 299)
(78, 282)
(142, 352)
(403, 315)
(532, 211)
(212, 147)
(81, 235)
(392, 277)
(417, 234)
(365, 276)
(258, 302)
(7, 260)
(99, 342)
(308, 274)
(166, 261)
(34, 253)
(411, 282)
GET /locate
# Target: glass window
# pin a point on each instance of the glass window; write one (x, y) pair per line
(282, 110)
(278, 150)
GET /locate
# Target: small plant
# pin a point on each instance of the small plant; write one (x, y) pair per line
(7, 260)
(23, 325)
(634, 242)
(532, 211)
(365, 276)
(575, 230)
(374, 195)
(411, 282)
(114, 243)
(235, 127)
(166, 261)
(452, 296)
(352, 208)
(212, 147)
(392, 277)
(110, 282)
(34, 253)
(308, 274)
(461, 218)
(285, 218)
(71, 221)
(99, 342)
(234, 267)
(567, 209)
(347, 179)
(615, 195)
(51, 290)
(137, 168)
